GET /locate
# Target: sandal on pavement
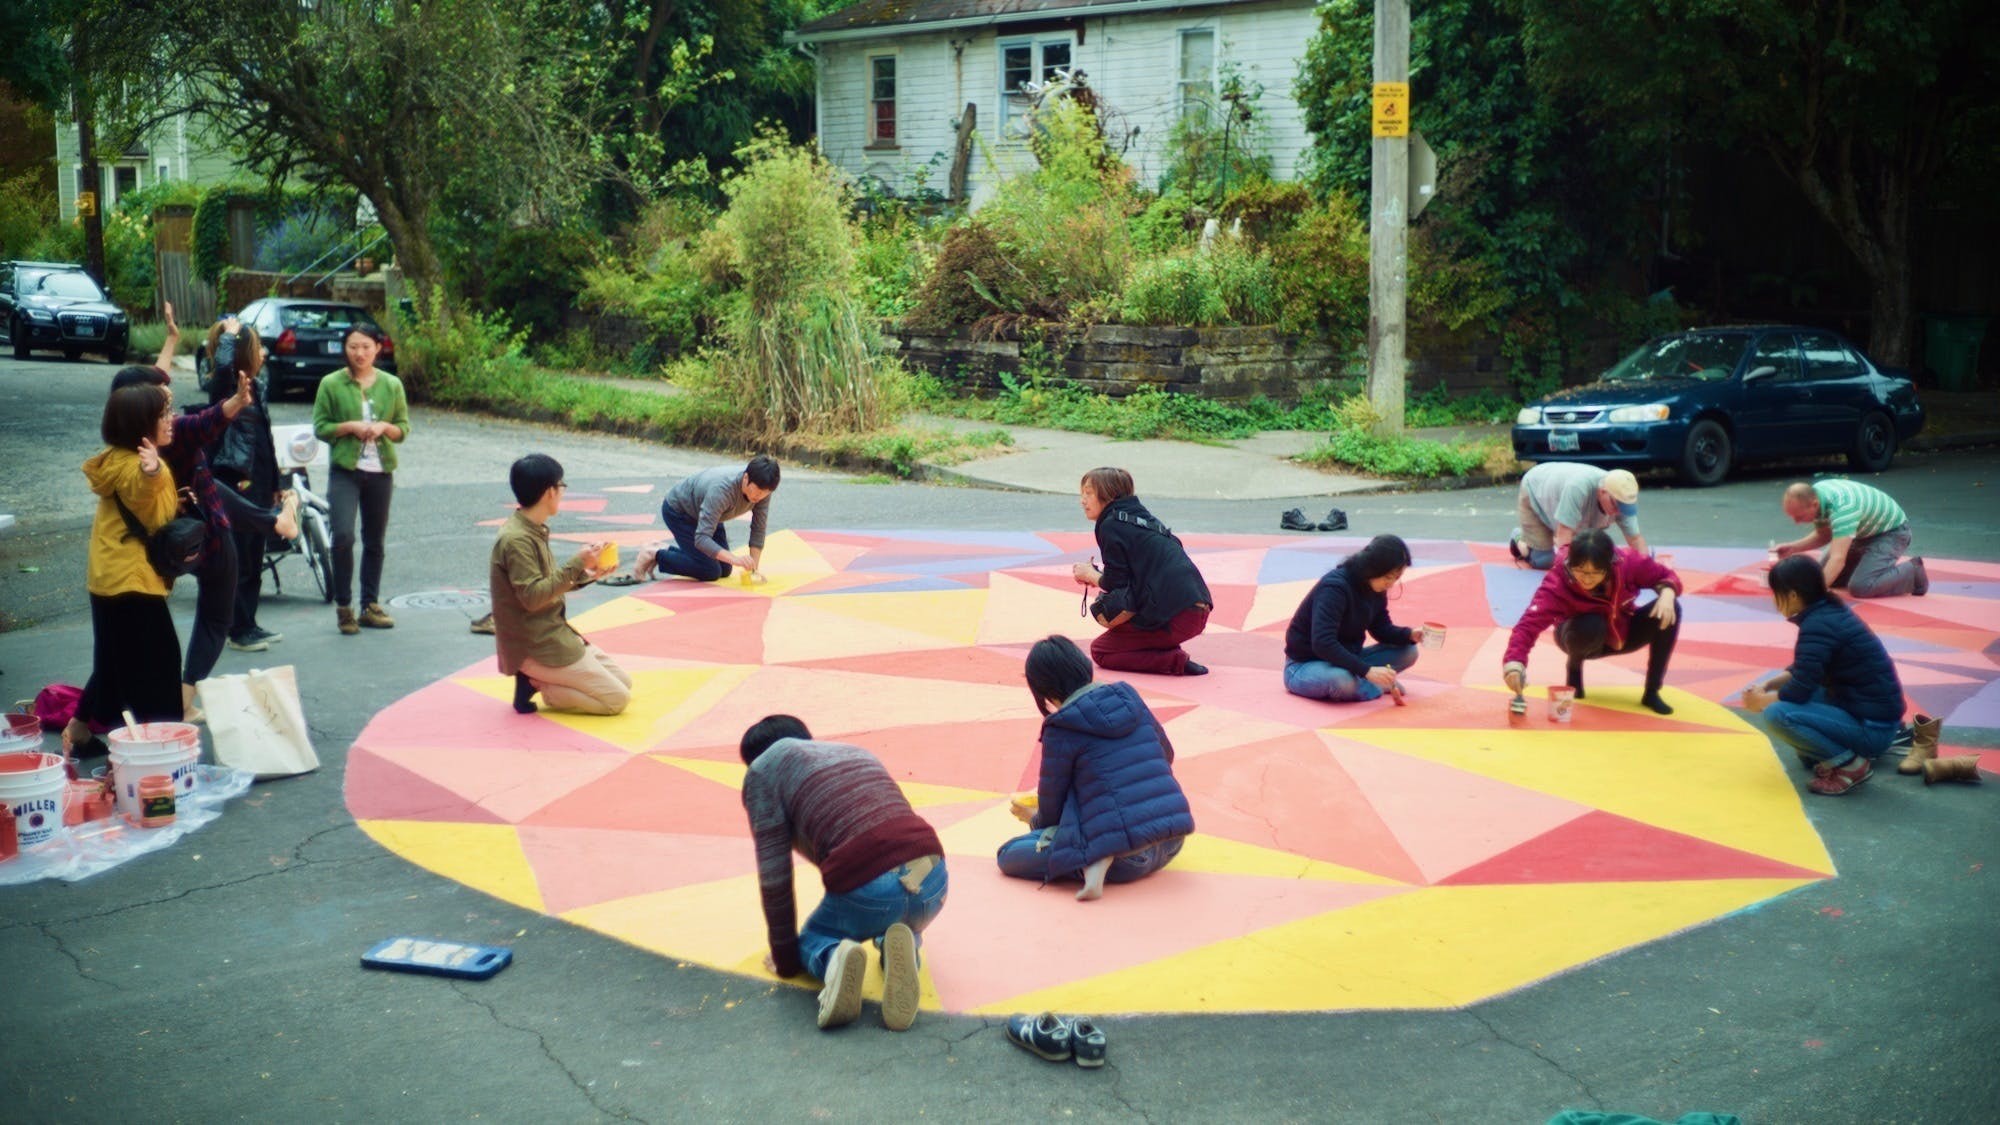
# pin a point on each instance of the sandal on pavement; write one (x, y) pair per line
(1044, 1036)
(621, 580)
(1295, 520)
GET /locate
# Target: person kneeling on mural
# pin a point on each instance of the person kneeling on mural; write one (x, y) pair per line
(1590, 597)
(531, 631)
(1108, 809)
(881, 864)
(1840, 703)
(695, 510)
(1153, 599)
(1324, 658)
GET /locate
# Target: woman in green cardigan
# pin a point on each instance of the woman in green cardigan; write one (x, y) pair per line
(363, 414)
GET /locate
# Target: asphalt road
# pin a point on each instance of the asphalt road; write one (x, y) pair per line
(217, 980)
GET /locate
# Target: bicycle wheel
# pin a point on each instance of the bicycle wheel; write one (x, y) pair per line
(318, 551)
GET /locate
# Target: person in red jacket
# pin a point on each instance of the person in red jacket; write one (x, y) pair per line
(1589, 596)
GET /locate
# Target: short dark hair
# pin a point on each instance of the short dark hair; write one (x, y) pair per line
(368, 330)
(533, 475)
(1594, 547)
(1803, 577)
(1055, 669)
(1109, 484)
(763, 472)
(768, 730)
(1384, 554)
(140, 375)
(132, 414)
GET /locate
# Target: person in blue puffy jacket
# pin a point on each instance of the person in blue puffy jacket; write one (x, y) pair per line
(1109, 809)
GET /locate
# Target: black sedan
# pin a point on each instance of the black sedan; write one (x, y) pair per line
(56, 306)
(1706, 399)
(303, 339)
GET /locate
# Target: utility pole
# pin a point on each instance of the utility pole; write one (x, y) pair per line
(1389, 215)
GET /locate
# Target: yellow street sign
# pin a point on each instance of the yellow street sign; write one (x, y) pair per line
(86, 203)
(1392, 109)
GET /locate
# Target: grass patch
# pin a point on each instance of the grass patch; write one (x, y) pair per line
(1439, 407)
(1145, 413)
(1354, 443)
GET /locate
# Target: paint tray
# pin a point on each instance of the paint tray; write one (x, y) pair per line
(438, 958)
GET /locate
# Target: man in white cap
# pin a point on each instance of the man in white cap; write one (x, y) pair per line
(1864, 532)
(1561, 498)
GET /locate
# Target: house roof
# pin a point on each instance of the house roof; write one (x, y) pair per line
(880, 18)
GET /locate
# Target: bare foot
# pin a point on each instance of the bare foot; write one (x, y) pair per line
(287, 523)
(648, 561)
(1093, 881)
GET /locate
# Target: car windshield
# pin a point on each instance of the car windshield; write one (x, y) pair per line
(67, 283)
(332, 318)
(1708, 356)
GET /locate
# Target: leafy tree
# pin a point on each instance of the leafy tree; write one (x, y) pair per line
(1859, 103)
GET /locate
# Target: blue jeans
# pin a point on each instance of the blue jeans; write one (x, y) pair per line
(866, 913)
(1019, 858)
(684, 558)
(1820, 731)
(1317, 679)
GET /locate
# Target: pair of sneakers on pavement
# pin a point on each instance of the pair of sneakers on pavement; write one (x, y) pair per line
(1059, 1038)
(255, 639)
(840, 998)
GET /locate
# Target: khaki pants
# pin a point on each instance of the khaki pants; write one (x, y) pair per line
(594, 685)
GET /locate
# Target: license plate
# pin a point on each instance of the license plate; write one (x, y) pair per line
(87, 329)
(333, 347)
(1562, 441)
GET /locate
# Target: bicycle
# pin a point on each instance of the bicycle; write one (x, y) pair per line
(298, 450)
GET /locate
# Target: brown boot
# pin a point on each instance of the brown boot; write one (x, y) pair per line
(373, 616)
(1964, 767)
(345, 617)
(1923, 744)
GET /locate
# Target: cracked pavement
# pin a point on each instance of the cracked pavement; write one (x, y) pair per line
(219, 979)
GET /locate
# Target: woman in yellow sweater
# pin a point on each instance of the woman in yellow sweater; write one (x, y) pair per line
(136, 655)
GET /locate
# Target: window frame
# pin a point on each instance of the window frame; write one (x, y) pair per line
(1185, 87)
(1037, 45)
(874, 138)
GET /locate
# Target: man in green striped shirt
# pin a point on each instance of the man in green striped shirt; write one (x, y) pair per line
(1865, 534)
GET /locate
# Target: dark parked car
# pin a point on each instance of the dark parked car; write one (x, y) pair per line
(1707, 399)
(56, 306)
(302, 339)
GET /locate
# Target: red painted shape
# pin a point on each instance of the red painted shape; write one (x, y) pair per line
(1602, 847)
(378, 789)
(1289, 794)
(1232, 605)
(648, 796)
(1240, 650)
(732, 633)
(578, 867)
(980, 755)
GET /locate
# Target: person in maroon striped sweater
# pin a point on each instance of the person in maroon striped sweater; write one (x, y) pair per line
(881, 864)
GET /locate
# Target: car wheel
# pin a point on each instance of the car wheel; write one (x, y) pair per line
(19, 332)
(1874, 445)
(1706, 459)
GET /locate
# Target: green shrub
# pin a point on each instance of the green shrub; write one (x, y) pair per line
(1439, 407)
(656, 277)
(1172, 221)
(1062, 227)
(894, 257)
(971, 279)
(1354, 442)
(1227, 284)
(1266, 208)
(27, 208)
(533, 274)
(1218, 147)
(1322, 273)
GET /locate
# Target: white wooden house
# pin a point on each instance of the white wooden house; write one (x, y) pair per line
(896, 75)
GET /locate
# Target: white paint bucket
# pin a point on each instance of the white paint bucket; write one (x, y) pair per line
(34, 785)
(21, 732)
(153, 749)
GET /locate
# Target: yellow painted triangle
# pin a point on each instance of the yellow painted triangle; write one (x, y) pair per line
(1276, 602)
(797, 630)
(1430, 948)
(1727, 788)
(1220, 856)
(981, 834)
(1019, 612)
(619, 612)
(485, 857)
(1621, 699)
(663, 701)
(950, 615)
(722, 773)
(922, 795)
(719, 924)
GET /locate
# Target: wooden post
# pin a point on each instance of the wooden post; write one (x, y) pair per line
(1388, 227)
(961, 153)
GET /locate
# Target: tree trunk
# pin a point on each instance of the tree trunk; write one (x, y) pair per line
(415, 255)
(90, 179)
(1878, 235)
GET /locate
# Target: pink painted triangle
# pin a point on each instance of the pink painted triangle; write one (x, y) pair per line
(978, 755)
(377, 789)
(449, 715)
(1010, 936)
(1232, 604)
(509, 783)
(1444, 818)
(1602, 847)
(966, 665)
(1240, 650)
(1289, 794)
(644, 795)
(578, 867)
(726, 634)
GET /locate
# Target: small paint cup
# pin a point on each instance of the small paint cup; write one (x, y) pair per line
(607, 559)
(752, 578)
(1024, 806)
(1433, 635)
(1562, 702)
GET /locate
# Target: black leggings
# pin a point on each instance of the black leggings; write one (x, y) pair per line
(250, 524)
(367, 494)
(1586, 638)
(214, 608)
(134, 654)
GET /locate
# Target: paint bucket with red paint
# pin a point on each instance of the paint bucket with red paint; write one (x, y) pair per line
(168, 750)
(33, 786)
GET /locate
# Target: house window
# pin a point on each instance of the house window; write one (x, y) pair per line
(882, 101)
(124, 181)
(1024, 62)
(1197, 75)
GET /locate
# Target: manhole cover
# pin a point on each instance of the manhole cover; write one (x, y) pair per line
(440, 599)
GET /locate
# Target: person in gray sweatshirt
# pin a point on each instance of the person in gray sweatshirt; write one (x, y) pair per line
(695, 510)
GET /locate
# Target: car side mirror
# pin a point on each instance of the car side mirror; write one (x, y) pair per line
(1755, 373)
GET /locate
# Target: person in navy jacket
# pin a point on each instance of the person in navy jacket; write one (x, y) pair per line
(1590, 596)
(1840, 703)
(1324, 657)
(1109, 809)
(1153, 600)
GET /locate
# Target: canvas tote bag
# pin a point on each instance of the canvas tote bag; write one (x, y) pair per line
(257, 723)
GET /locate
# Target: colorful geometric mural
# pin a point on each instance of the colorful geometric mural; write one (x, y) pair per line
(1346, 857)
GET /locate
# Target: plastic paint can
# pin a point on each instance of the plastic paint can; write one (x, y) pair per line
(33, 786)
(1433, 635)
(168, 750)
(1562, 702)
(156, 801)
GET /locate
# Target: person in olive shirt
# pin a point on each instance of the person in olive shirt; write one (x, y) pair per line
(363, 414)
(531, 631)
